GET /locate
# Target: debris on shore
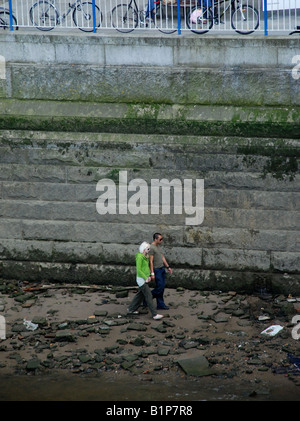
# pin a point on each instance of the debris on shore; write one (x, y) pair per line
(86, 329)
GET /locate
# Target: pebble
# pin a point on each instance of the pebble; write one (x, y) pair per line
(160, 346)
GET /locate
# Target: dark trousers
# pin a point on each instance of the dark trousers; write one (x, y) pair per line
(143, 293)
(160, 281)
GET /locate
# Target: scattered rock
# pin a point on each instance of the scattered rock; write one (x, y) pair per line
(196, 366)
(220, 318)
(33, 364)
(163, 351)
(236, 349)
(84, 358)
(100, 313)
(41, 321)
(160, 328)
(136, 326)
(138, 341)
(64, 336)
(122, 294)
(115, 322)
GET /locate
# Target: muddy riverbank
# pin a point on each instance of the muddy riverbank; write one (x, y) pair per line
(79, 343)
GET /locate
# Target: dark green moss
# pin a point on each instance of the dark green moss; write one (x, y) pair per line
(152, 126)
(282, 158)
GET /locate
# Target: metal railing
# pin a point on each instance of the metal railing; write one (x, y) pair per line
(167, 16)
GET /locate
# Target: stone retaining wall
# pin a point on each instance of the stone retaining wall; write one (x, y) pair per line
(50, 228)
(76, 109)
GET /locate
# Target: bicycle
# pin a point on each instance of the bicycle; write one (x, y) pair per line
(45, 15)
(296, 31)
(244, 18)
(5, 19)
(126, 17)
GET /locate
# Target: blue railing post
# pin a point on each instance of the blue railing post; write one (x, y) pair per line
(94, 16)
(178, 17)
(266, 16)
(10, 15)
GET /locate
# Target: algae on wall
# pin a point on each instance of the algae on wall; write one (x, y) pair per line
(50, 229)
(169, 110)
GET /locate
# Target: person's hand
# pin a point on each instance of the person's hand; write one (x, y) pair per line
(170, 270)
(148, 279)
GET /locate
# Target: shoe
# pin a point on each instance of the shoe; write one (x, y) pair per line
(158, 317)
(132, 312)
(145, 21)
(163, 308)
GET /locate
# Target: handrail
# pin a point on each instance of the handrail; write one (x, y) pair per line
(284, 18)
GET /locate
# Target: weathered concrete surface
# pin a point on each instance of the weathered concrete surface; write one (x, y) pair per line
(76, 109)
(238, 71)
(197, 119)
(50, 228)
(150, 84)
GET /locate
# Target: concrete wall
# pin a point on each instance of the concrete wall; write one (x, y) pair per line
(78, 109)
(241, 70)
(149, 82)
(50, 228)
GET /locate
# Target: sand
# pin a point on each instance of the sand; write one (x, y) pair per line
(223, 327)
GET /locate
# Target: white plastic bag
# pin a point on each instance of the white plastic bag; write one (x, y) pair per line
(29, 325)
(272, 330)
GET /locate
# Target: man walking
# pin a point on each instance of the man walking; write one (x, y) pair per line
(158, 265)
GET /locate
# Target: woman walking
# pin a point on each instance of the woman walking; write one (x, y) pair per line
(143, 278)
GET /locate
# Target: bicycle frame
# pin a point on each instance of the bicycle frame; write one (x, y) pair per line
(12, 18)
(125, 17)
(45, 15)
(138, 11)
(62, 17)
(215, 7)
(244, 18)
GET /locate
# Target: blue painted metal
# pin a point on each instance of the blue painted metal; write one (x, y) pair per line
(94, 16)
(266, 16)
(178, 18)
(10, 15)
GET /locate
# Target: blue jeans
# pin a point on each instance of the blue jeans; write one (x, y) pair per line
(205, 3)
(150, 7)
(160, 281)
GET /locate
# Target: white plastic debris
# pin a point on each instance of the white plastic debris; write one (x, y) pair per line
(291, 299)
(263, 318)
(272, 330)
(29, 325)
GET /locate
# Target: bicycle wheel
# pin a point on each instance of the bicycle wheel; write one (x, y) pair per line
(165, 19)
(5, 20)
(245, 19)
(199, 22)
(43, 15)
(124, 18)
(84, 19)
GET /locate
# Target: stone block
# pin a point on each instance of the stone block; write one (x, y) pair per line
(288, 262)
(10, 228)
(236, 259)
